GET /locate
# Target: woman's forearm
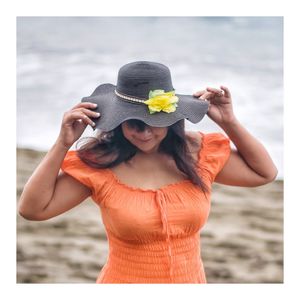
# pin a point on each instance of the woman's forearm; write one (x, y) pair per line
(250, 149)
(40, 187)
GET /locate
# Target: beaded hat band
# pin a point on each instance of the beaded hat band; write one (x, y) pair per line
(130, 99)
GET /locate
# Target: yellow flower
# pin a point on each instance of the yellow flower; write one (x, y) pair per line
(161, 101)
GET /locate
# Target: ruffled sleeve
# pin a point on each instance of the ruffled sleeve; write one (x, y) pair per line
(90, 177)
(214, 153)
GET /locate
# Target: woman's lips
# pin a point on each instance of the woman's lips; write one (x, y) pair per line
(144, 141)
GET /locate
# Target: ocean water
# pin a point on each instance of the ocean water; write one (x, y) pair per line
(62, 59)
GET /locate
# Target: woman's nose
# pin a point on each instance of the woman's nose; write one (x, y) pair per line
(146, 133)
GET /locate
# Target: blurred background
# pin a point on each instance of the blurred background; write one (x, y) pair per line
(62, 59)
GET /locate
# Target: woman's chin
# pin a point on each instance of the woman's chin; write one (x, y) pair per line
(147, 149)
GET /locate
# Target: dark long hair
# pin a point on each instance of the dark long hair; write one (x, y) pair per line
(112, 148)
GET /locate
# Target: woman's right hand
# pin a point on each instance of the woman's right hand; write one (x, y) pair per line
(75, 121)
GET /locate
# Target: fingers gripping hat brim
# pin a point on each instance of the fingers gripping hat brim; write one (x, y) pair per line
(115, 110)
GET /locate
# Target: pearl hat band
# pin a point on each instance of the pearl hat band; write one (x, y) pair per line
(129, 98)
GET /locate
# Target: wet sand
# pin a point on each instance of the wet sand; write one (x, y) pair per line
(241, 243)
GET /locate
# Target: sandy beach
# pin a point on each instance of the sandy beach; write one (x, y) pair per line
(241, 243)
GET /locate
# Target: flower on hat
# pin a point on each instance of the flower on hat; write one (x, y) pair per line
(159, 100)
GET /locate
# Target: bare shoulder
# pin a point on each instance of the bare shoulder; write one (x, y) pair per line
(193, 134)
(194, 142)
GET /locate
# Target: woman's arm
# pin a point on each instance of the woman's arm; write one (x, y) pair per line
(48, 193)
(250, 164)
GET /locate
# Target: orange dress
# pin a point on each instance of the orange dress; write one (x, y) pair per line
(153, 235)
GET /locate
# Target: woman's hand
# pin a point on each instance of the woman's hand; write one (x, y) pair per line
(75, 121)
(220, 104)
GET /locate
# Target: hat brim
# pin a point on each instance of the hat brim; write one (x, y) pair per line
(115, 110)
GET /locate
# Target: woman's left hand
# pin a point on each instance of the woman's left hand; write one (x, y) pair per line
(220, 104)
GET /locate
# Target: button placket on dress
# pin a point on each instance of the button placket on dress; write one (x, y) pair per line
(161, 201)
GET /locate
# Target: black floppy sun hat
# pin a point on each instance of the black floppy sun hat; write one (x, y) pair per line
(144, 91)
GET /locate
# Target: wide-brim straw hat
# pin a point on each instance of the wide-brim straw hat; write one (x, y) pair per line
(125, 101)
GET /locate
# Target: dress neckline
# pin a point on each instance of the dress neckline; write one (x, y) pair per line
(163, 187)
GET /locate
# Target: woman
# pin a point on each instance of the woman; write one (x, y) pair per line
(151, 179)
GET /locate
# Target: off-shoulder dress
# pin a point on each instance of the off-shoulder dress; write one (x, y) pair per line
(153, 234)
